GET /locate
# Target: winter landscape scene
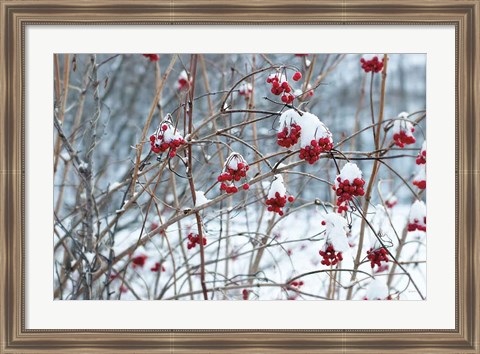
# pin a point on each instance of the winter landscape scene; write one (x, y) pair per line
(240, 177)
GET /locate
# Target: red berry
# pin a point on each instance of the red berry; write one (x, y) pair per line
(372, 65)
(297, 76)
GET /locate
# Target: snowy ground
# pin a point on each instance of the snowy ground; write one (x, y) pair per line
(292, 250)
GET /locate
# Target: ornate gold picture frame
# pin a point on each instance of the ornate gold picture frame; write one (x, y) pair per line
(16, 15)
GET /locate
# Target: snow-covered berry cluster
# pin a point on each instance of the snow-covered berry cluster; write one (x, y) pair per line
(194, 239)
(330, 255)
(391, 201)
(422, 155)
(277, 196)
(336, 242)
(348, 184)
(289, 131)
(183, 81)
(417, 218)
(311, 153)
(315, 139)
(403, 131)
(166, 137)
(420, 179)
(280, 86)
(245, 90)
(373, 65)
(304, 127)
(289, 135)
(377, 256)
(234, 169)
(152, 57)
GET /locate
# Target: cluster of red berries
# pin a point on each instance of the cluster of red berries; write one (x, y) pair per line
(159, 145)
(421, 158)
(278, 202)
(230, 176)
(421, 184)
(401, 139)
(157, 267)
(346, 191)
(417, 226)
(376, 256)
(373, 64)
(296, 284)
(280, 87)
(289, 137)
(152, 57)
(330, 256)
(139, 261)
(245, 294)
(293, 286)
(194, 239)
(311, 153)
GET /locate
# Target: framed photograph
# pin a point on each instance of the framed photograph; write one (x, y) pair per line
(182, 176)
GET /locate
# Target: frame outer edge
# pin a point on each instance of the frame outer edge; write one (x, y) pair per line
(13, 337)
(472, 95)
(3, 245)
